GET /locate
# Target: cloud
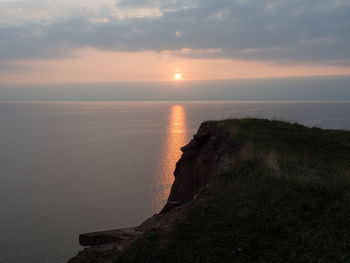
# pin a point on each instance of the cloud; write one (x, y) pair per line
(161, 4)
(298, 31)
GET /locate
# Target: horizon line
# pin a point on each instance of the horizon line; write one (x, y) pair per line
(178, 82)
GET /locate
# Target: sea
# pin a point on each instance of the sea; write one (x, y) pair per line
(74, 167)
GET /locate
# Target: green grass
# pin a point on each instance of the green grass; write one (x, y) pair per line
(286, 199)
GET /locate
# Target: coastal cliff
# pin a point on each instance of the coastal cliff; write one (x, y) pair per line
(249, 190)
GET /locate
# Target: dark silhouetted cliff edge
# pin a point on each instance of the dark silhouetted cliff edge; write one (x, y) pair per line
(245, 190)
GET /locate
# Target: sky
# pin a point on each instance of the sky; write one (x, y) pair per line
(292, 88)
(85, 41)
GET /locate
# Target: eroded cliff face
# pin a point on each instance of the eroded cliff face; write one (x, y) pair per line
(207, 155)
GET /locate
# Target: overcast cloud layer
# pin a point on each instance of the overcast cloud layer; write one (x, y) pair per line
(291, 31)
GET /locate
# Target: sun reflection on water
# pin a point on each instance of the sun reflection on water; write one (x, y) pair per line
(175, 139)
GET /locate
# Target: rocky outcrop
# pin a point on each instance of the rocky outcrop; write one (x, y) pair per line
(120, 237)
(208, 154)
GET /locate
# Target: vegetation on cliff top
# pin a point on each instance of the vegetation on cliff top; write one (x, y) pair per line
(285, 199)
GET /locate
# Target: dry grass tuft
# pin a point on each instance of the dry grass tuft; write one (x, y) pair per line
(271, 162)
(247, 152)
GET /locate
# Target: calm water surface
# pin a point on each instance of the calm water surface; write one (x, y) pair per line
(74, 167)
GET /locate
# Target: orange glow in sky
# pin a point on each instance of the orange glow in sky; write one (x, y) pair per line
(90, 65)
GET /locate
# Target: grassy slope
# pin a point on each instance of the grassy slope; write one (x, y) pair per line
(286, 199)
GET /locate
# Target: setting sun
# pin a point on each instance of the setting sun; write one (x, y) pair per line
(177, 76)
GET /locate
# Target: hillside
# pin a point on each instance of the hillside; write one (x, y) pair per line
(249, 190)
